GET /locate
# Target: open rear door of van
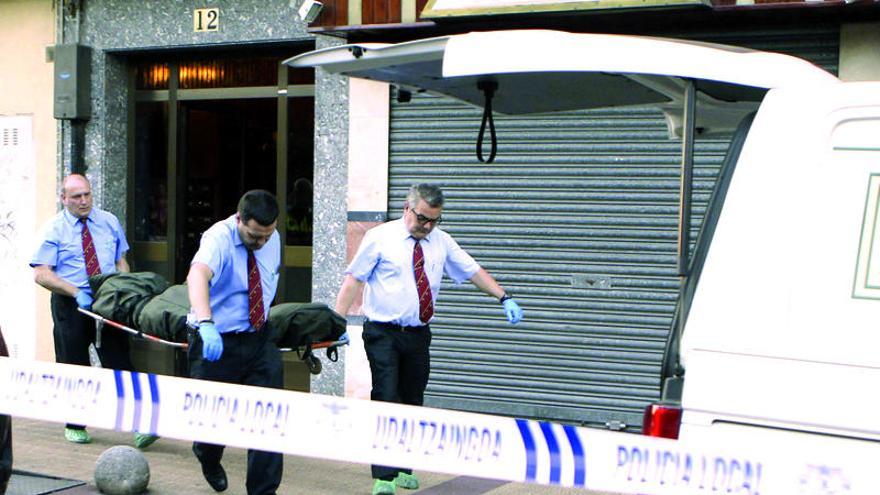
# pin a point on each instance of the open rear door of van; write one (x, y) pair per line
(538, 71)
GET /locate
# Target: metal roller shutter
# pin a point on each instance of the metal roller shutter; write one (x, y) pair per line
(577, 218)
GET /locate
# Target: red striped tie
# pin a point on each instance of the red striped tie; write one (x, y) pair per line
(93, 267)
(256, 313)
(426, 302)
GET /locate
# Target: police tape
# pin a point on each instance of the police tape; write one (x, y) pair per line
(423, 438)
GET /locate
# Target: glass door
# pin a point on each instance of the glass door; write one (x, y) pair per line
(225, 147)
(206, 128)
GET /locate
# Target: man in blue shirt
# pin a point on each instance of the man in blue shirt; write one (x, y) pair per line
(402, 263)
(231, 282)
(60, 265)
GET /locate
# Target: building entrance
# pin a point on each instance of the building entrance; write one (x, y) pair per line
(226, 147)
(205, 130)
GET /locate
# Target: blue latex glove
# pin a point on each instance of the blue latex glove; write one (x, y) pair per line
(84, 299)
(343, 339)
(212, 343)
(513, 311)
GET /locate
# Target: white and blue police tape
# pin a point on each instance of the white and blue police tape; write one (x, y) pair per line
(423, 438)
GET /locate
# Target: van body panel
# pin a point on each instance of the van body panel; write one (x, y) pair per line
(781, 332)
(737, 390)
(778, 278)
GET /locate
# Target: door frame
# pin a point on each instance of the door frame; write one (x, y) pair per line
(292, 256)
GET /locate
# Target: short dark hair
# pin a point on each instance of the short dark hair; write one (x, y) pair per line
(259, 205)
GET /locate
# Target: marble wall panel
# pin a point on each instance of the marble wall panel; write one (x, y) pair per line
(330, 214)
(114, 28)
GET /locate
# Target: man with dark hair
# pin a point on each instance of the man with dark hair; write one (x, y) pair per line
(81, 241)
(402, 262)
(231, 283)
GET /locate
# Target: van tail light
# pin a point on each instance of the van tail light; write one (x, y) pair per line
(661, 421)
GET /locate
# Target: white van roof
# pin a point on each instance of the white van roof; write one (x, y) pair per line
(543, 71)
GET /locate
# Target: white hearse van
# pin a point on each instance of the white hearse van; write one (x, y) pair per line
(777, 331)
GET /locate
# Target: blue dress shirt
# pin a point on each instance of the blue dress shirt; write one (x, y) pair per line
(384, 262)
(61, 245)
(223, 251)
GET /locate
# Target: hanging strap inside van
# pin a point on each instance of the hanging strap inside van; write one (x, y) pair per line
(488, 88)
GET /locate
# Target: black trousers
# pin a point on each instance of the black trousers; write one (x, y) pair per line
(74, 331)
(5, 436)
(247, 359)
(5, 451)
(400, 365)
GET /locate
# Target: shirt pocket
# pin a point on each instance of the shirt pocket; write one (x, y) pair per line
(434, 271)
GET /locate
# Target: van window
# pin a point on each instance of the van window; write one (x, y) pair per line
(867, 283)
(857, 135)
(856, 141)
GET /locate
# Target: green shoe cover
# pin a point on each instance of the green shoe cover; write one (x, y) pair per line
(382, 487)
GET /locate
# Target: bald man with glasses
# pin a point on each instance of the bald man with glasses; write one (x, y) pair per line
(401, 264)
(80, 242)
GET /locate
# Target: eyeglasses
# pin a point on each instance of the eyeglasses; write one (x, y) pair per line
(422, 219)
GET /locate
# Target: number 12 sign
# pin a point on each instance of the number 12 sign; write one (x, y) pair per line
(206, 19)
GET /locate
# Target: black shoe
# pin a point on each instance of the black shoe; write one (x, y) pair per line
(215, 476)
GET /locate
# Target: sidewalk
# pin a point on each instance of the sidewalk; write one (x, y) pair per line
(39, 447)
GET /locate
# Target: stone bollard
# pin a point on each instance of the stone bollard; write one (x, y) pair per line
(122, 470)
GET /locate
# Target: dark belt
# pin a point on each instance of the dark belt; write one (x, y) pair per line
(397, 328)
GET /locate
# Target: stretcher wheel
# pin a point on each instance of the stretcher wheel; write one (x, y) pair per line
(314, 364)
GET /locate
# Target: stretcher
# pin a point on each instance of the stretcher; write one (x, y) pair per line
(305, 353)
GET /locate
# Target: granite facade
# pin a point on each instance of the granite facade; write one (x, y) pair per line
(114, 28)
(330, 215)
